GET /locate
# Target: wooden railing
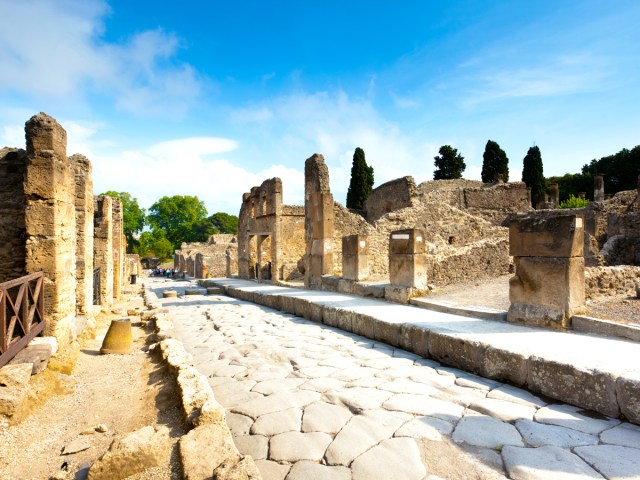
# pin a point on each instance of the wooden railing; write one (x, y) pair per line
(21, 314)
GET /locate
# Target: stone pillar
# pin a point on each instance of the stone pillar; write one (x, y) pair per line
(598, 187)
(119, 245)
(542, 201)
(84, 233)
(103, 248)
(554, 194)
(407, 259)
(176, 260)
(318, 209)
(355, 257)
(548, 286)
(191, 266)
(232, 262)
(12, 214)
(49, 187)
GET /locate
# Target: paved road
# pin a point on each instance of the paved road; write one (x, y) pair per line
(307, 401)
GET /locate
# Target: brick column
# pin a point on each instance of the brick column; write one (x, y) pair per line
(355, 257)
(548, 286)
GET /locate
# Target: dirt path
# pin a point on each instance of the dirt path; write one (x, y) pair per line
(121, 392)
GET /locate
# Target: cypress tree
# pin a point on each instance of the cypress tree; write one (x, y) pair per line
(494, 161)
(361, 181)
(532, 173)
(449, 164)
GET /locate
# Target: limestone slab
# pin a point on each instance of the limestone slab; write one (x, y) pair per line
(407, 386)
(306, 470)
(516, 395)
(424, 405)
(255, 445)
(324, 417)
(545, 463)
(393, 459)
(277, 385)
(613, 461)
(485, 431)
(278, 422)
(239, 424)
(296, 446)
(575, 418)
(503, 410)
(276, 402)
(357, 398)
(539, 434)
(430, 428)
(625, 434)
(322, 384)
(272, 470)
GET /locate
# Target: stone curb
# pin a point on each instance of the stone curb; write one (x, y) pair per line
(590, 388)
(203, 415)
(605, 327)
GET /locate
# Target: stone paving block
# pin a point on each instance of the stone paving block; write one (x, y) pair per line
(272, 470)
(415, 338)
(255, 445)
(424, 405)
(587, 388)
(375, 464)
(278, 422)
(361, 433)
(516, 395)
(278, 385)
(503, 410)
(305, 470)
(324, 417)
(239, 424)
(539, 434)
(625, 434)
(612, 461)
(474, 381)
(386, 332)
(460, 352)
(322, 384)
(628, 394)
(354, 373)
(276, 402)
(407, 386)
(485, 431)
(357, 398)
(575, 418)
(296, 446)
(545, 463)
(430, 428)
(462, 396)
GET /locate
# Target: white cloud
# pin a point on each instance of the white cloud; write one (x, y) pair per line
(55, 48)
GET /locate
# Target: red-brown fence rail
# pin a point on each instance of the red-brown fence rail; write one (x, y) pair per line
(21, 314)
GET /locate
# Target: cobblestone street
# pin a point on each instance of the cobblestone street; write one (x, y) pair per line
(308, 401)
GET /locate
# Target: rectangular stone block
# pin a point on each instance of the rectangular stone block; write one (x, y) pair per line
(406, 242)
(362, 324)
(505, 366)
(355, 257)
(408, 270)
(628, 395)
(386, 332)
(414, 338)
(547, 236)
(546, 291)
(458, 352)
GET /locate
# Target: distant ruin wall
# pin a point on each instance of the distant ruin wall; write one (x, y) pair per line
(12, 212)
(388, 197)
(614, 280)
(103, 248)
(345, 223)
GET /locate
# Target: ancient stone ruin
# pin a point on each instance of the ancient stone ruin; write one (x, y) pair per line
(217, 257)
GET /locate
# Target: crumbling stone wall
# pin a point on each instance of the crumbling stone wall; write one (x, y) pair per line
(12, 214)
(345, 223)
(118, 246)
(49, 187)
(103, 248)
(84, 233)
(388, 197)
(132, 265)
(293, 246)
(613, 280)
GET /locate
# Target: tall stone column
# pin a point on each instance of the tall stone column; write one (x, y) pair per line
(49, 187)
(118, 247)
(548, 286)
(318, 209)
(103, 248)
(598, 187)
(84, 231)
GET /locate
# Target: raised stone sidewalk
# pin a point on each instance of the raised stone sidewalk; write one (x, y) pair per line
(593, 372)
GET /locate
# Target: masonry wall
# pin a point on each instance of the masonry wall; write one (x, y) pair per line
(293, 246)
(388, 197)
(118, 246)
(103, 248)
(84, 233)
(12, 212)
(49, 188)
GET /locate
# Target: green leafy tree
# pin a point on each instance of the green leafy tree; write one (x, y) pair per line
(620, 170)
(572, 184)
(574, 202)
(176, 216)
(224, 223)
(154, 243)
(532, 174)
(449, 164)
(133, 217)
(361, 181)
(494, 161)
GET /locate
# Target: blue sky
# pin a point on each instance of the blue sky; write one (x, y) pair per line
(209, 98)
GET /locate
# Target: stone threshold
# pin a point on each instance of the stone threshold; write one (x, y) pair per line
(593, 372)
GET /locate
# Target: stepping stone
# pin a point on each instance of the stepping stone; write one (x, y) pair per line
(430, 428)
(276, 403)
(272, 470)
(393, 459)
(305, 470)
(625, 434)
(503, 410)
(574, 417)
(484, 431)
(239, 424)
(296, 446)
(169, 294)
(361, 433)
(255, 445)
(278, 422)
(613, 461)
(324, 417)
(424, 405)
(195, 291)
(538, 434)
(357, 398)
(516, 395)
(214, 291)
(545, 463)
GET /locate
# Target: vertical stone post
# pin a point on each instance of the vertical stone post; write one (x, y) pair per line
(638, 196)
(49, 188)
(84, 233)
(548, 286)
(554, 194)
(119, 246)
(176, 260)
(103, 248)
(598, 187)
(318, 209)
(232, 262)
(355, 257)
(407, 259)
